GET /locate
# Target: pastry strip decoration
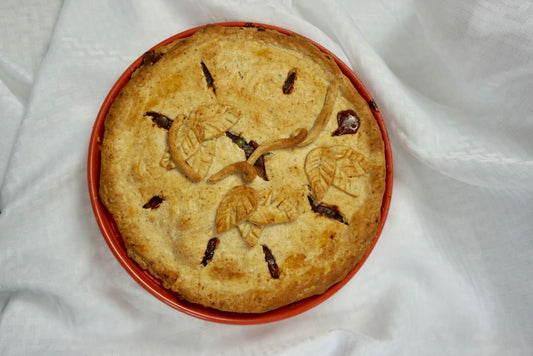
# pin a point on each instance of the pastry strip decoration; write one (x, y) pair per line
(249, 148)
(247, 171)
(323, 117)
(294, 139)
(246, 167)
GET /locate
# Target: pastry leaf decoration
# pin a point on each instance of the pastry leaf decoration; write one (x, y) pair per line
(250, 232)
(252, 210)
(201, 160)
(216, 119)
(348, 161)
(276, 211)
(339, 166)
(236, 205)
(320, 167)
(351, 165)
(184, 139)
(189, 137)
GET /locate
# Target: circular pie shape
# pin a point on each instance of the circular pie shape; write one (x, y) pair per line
(187, 149)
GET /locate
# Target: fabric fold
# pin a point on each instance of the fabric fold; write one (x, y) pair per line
(450, 272)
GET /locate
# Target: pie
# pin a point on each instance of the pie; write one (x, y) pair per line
(243, 169)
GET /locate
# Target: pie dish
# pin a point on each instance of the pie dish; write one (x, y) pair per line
(242, 168)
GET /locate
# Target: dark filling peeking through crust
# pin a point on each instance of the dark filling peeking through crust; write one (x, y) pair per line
(328, 211)
(249, 148)
(210, 250)
(160, 120)
(271, 261)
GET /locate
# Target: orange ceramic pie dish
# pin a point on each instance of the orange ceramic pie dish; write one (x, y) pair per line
(231, 239)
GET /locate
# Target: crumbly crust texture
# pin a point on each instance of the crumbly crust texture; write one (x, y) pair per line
(238, 242)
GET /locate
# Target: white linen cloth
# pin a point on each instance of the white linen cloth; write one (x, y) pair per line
(451, 273)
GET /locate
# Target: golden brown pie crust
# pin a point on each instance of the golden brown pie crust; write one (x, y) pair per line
(304, 163)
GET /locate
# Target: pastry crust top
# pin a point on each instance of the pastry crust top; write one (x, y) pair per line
(190, 205)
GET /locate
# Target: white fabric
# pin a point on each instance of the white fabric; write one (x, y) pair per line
(451, 273)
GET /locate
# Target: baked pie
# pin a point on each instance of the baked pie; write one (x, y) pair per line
(243, 169)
